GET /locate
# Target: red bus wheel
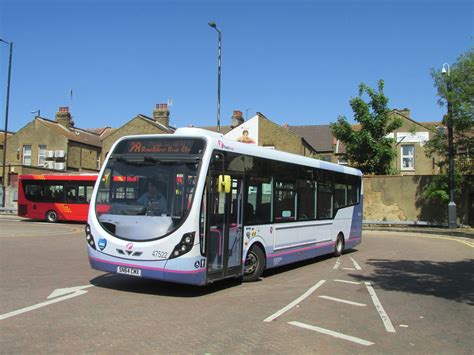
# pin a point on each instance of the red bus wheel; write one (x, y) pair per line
(52, 216)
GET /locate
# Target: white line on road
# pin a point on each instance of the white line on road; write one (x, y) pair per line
(295, 302)
(76, 291)
(343, 301)
(338, 262)
(378, 306)
(357, 266)
(348, 282)
(332, 333)
(348, 268)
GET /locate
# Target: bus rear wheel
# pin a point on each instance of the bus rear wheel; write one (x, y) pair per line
(52, 216)
(254, 264)
(339, 247)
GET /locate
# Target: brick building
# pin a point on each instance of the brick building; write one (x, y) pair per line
(262, 131)
(409, 143)
(2, 140)
(140, 124)
(45, 145)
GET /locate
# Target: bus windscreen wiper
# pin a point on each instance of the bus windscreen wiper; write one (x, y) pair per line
(147, 158)
(131, 162)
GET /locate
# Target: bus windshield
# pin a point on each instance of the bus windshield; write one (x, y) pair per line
(145, 193)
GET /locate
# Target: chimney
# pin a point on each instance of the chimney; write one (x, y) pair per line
(405, 112)
(161, 114)
(64, 118)
(286, 126)
(236, 119)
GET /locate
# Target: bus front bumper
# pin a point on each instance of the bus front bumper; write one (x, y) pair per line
(152, 270)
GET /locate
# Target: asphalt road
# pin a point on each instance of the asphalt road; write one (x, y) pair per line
(396, 293)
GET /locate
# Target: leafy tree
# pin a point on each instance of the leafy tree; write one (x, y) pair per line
(458, 89)
(438, 190)
(369, 148)
(461, 98)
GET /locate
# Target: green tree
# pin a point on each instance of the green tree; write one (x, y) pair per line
(369, 148)
(461, 98)
(458, 89)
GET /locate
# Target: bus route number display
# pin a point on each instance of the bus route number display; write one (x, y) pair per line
(163, 146)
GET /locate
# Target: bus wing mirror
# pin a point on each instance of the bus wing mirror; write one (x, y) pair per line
(224, 183)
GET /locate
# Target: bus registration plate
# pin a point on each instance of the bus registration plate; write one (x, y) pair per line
(129, 271)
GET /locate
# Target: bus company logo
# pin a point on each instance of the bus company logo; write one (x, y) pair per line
(129, 247)
(102, 243)
(200, 263)
(223, 146)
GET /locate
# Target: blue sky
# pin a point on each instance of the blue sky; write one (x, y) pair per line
(295, 61)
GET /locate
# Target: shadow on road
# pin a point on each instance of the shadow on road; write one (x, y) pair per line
(160, 288)
(449, 280)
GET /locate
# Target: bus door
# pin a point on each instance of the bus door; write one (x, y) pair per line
(224, 234)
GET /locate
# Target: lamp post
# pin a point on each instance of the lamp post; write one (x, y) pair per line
(6, 121)
(219, 47)
(446, 70)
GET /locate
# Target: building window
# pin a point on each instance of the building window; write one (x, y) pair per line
(408, 157)
(27, 155)
(41, 154)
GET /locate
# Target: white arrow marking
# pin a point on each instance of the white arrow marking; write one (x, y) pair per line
(70, 292)
(64, 291)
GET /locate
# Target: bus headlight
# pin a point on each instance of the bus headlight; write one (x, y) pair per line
(184, 246)
(89, 237)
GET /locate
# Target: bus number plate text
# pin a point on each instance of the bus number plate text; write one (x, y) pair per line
(129, 271)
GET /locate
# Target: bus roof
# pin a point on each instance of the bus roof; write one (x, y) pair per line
(219, 141)
(62, 176)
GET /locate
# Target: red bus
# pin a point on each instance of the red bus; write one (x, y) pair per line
(55, 197)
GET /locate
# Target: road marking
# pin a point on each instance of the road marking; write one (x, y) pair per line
(295, 302)
(357, 266)
(348, 268)
(338, 262)
(348, 282)
(332, 333)
(70, 292)
(343, 301)
(378, 306)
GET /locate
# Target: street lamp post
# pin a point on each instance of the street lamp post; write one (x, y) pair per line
(6, 121)
(452, 223)
(219, 47)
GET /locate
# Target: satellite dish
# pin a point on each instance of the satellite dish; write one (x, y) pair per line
(170, 102)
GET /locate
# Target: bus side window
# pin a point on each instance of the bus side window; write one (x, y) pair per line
(325, 198)
(285, 201)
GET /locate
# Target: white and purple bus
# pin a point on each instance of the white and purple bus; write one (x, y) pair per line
(194, 207)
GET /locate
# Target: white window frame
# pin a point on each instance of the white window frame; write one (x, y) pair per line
(41, 154)
(412, 157)
(24, 154)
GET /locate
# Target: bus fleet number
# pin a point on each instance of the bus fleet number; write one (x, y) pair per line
(160, 254)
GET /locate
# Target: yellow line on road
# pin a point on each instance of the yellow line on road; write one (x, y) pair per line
(418, 235)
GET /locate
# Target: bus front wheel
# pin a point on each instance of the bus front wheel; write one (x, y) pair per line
(254, 264)
(339, 247)
(52, 216)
